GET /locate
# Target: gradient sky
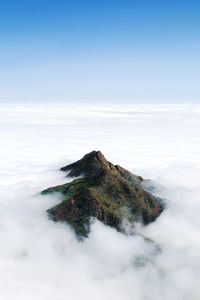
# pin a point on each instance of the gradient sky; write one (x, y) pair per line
(115, 50)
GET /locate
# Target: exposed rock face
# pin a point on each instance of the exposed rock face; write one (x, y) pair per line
(106, 191)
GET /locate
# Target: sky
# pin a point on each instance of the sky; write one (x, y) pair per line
(100, 51)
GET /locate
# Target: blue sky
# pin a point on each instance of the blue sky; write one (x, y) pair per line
(133, 51)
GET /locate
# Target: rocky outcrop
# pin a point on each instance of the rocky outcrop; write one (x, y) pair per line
(105, 191)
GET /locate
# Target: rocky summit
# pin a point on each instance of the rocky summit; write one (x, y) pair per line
(104, 191)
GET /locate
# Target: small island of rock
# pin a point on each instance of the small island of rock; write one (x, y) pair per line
(104, 191)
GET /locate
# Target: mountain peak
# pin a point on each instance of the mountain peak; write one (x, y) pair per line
(105, 192)
(94, 164)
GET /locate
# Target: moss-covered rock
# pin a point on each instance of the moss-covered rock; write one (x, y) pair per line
(105, 192)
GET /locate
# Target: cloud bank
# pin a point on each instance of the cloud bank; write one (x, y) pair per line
(43, 260)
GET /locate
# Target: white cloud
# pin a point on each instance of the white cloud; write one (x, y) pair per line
(43, 260)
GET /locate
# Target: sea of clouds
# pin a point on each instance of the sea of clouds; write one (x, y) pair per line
(40, 259)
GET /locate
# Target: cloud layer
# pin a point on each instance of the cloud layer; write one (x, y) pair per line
(43, 260)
